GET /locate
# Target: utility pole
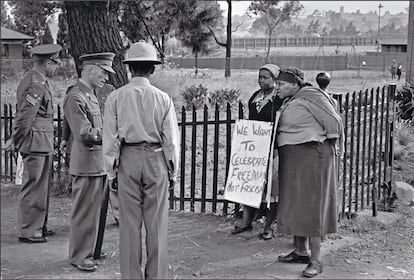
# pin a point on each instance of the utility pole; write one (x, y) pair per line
(379, 25)
(409, 77)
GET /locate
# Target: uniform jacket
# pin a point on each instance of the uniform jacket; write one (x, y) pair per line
(84, 117)
(102, 93)
(33, 128)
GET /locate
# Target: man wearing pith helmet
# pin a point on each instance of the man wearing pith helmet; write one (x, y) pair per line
(33, 138)
(84, 117)
(142, 119)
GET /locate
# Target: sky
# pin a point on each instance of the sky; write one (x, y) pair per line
(394, 7)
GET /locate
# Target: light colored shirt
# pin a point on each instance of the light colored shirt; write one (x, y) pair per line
(297, 125)
(139, 112)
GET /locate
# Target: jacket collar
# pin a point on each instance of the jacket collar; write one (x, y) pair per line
(84, 87)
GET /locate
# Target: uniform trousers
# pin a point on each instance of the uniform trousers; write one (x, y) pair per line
(33, 198)
(142, 193)
(87, 195)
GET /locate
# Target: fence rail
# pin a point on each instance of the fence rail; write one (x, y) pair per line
(365, 169)
(302, 41)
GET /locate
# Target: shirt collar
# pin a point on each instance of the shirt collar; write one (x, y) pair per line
(139, 80)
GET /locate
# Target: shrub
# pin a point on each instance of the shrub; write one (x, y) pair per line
(405, 102)
(221, 97)
(404, 134)
(196, 96)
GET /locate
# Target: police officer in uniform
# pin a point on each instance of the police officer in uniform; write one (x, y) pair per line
(142, 119)
(33, 138)
(83, 114)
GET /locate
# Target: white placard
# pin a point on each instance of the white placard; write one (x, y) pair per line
(249, 161)
(19, 170)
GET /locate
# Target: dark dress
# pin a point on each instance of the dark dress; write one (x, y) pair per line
(267, 114)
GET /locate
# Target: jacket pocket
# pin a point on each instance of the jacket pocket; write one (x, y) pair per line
(42, 136)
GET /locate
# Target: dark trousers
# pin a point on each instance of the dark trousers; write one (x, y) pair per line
(33, 198)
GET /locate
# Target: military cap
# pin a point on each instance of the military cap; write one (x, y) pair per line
(103, 60)
(47, 51)
(141, 52)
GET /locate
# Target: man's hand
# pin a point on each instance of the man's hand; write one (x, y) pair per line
(113, 184)
(9, 145)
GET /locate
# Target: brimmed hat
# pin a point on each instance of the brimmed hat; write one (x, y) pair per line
(103, 60)
(141, 52)
(47, 51)
(272, 68)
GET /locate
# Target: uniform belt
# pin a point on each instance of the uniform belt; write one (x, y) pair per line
(153, 147)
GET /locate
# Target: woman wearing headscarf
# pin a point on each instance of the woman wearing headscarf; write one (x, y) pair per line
(263, 105)
(308, 130)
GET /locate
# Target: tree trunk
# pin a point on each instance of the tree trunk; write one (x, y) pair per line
(227, 72)
(409, 77)
(162, 55)
(196, 65)
(93, 27)
(268, 45)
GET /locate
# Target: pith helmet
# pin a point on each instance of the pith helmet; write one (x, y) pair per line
(141, 52)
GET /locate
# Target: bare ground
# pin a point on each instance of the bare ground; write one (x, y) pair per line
(200, 246)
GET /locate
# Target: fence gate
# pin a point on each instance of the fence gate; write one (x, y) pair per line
(365, 170)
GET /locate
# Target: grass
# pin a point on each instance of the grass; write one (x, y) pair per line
(175, 80)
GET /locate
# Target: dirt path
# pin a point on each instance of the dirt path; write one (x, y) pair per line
(200, 246)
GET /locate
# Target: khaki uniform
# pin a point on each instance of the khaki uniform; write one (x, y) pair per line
(102, 94)
(33, 137)
(82, 112)
(143, 119)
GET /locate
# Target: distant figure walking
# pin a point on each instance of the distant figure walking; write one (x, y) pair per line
(399, 69)
(393, 69)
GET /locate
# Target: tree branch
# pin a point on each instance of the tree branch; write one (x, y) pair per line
(147, 29)
(237, 27)
(215, 38)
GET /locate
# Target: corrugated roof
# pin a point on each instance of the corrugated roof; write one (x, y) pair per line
(400, 40)
(8, 34)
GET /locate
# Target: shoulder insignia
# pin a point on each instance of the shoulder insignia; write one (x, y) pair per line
(32, 100)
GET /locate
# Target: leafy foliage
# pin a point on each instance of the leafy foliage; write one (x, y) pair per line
(405, 102)
(154, 20)
(198, 96)
(273, 15)
(221, 97)
(31, 17)
(197, 19)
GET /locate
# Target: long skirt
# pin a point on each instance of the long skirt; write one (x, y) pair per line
(307, 185)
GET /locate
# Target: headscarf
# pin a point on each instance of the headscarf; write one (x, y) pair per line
(292, 75)
(272, 68)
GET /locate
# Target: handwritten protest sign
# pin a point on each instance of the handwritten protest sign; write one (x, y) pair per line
(249, 162)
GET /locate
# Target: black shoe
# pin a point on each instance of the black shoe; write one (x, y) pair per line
(312, 270)
(293, 257)
(238, 229)
(86, 265)
(49, 232)
(37, 239)
(266, 235)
